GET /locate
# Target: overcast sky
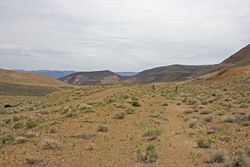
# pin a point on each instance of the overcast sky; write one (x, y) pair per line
(120, 35)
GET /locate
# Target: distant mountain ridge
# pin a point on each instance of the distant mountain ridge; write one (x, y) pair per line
(163, 74)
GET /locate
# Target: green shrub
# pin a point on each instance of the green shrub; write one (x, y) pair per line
(50, 144)
(204, 143)
(130, 110)
(70, 114)
(102, 128)
(208, 118)
(152, 134)
(119, 115)
(20, 140)
(148, 155)
(192, 123)
(245, 123)
(31, 123)
(239, 159)
(31, 160)
(165, 104)
(18, 125)
(135, 104)
(229, 119)
(217, 157)
(188, 111)
(204, 112)
(155, 114)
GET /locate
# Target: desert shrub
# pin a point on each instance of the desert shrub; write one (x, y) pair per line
(155, 114)
(30, 134)
(221, 112)
(6, 139)
(31, 160)
(130, 110)
(204, 102)
(208, 118)
(245, 123)
(217, 157)
(135, 104)
(31, 123)
(228, 119)
(86, 108)
(119, 115)
(152, 134)
(204, 112)
(20, 140)
(18, 125)
(192, 123)
(165, 104)
(102, 128)
(51, 130)
(240, 158)
(247, 151)
(70, 114)
(243, 105)
(17, 118)
(204, 143)
(50, 144)
(148, 155)
(191, 101)
(188, 111)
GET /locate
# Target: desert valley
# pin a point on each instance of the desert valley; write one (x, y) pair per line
(171, 116)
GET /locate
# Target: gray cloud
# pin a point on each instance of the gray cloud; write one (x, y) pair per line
(120, 35)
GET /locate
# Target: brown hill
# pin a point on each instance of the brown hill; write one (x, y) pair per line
(27, 84)
(26, 78)
(170, 73)
(242, 57)
(92, 78)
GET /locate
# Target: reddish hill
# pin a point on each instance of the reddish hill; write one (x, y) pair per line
(241, 71)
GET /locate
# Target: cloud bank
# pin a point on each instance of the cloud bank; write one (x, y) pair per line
(119, 35)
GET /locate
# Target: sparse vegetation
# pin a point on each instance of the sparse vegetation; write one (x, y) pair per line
(204, 143)
(50, 144)
(217, 157)
(119, 115)
(152, 134)
(147, 155)
(135, 104)
(102, 128)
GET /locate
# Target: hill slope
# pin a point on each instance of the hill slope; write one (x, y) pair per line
(170, 73)
(242, 57)
(92, 78)
(27, 84)
(27, 78)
